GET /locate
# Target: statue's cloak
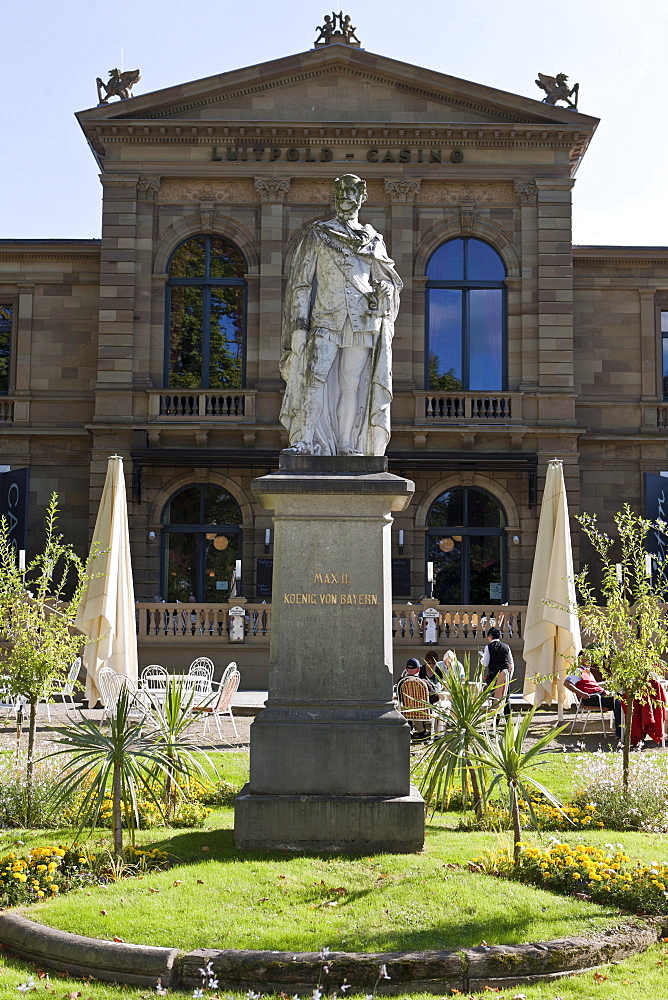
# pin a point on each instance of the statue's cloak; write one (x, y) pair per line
(371, 431)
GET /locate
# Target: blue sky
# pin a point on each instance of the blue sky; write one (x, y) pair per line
(616, 50)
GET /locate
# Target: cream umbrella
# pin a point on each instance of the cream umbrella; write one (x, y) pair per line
(551, 629)
(107, 610)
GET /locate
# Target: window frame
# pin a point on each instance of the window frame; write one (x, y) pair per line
(206, 283)
(467, 285)
(201, 530)
(466, 531)
(663, 334)
(11, 303)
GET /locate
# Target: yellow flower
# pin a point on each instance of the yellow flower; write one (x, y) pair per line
(576, 875)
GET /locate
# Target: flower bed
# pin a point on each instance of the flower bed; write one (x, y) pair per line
(604, 876)
(47, 871)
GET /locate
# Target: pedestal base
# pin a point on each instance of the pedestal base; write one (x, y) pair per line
(354, 823)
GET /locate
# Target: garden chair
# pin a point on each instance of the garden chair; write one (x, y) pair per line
(202, 664)
(67, 687)
(414, 702)
(153, 681)
(228, 688)
(111, 684)
(588, 708)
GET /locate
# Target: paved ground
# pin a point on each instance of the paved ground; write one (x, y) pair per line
(248, 703)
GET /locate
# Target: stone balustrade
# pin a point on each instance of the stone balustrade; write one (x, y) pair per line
(468, 408)
(236, 405)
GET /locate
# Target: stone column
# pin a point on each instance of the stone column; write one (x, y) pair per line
(402, 195)
(272, 192)
(330, 753)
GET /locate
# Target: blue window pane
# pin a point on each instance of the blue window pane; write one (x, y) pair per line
(485, 339)
(483, 263)
(665, 367)
(445, 339)
(447, 263)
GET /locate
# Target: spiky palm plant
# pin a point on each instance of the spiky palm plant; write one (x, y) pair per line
(173, 721)
(502, 753)
(446, 761)
(122, 761)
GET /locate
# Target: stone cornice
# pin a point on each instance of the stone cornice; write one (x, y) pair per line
(54, 250)
(603, 256)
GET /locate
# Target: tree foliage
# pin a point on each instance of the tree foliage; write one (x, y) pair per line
(38, 606)
(628, 623)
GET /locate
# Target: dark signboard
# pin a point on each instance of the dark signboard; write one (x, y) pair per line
(401, 578)
(14, 488)
(656, 509)
(265, 570)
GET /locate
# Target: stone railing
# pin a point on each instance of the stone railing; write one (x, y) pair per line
(183, 404)
(6, 411)
(662, 417)
(467, 623)
(201, 623)
(468, 407)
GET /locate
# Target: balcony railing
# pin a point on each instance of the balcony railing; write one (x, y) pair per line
(235, 405)
(465, 625)
(468, 407)
(6, 411)
(201, 623)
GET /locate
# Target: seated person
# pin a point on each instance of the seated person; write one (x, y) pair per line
(419, 727)
(431, 672)
(450, 662)
(586, 688)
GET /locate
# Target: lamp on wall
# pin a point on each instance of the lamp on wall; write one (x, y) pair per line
(401, 541)
(267, 540)
(430, 579)
(151, 536)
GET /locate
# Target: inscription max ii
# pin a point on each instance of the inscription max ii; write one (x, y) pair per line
(329, 580)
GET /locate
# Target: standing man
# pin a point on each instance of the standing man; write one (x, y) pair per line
(497, 656)
(341, 302)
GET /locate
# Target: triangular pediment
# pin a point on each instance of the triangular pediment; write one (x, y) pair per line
(336, 83)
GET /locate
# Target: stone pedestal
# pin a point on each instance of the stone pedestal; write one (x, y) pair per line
(330, 754)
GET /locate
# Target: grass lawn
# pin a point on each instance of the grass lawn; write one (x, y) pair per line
(219, 898)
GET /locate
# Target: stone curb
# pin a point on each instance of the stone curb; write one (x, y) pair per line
(468, 969)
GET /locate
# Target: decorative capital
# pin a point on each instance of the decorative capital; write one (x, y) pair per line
(272, 189)
(526, 192)
(147, 188)
(466, 215)
(206, 209)
(402, 192)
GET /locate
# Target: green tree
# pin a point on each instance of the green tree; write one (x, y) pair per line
(628, 625)
(446, 382)
(37, 623)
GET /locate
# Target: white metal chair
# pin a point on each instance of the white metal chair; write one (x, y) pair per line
(67, 688)
(153, 682)
(111, 684)
(223, 705)
(201, 673)
(201, 664)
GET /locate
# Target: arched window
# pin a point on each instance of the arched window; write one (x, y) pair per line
(201, 541)
(466, 317)
(206, 306)
(466, 541)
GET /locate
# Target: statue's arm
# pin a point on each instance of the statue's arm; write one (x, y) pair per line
(302, 274)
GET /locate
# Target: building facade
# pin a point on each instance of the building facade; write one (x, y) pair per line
(161, 341)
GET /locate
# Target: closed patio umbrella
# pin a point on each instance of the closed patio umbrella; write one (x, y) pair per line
(551, 633)
(107, 609)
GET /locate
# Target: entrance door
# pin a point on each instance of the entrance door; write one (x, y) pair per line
(466, 542)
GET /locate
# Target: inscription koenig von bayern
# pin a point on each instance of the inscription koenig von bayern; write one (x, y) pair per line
(331, 580)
